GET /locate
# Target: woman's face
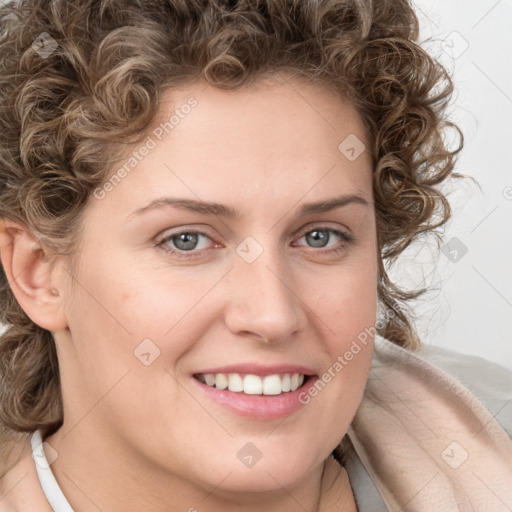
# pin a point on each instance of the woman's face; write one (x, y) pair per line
(270, 291)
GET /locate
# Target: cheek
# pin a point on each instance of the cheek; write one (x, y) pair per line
(345, 300)
(348, 315)
(346, 307)
(131, 328)
(139, 301)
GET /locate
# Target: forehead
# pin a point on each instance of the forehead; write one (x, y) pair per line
(281, 109)
(271, 142)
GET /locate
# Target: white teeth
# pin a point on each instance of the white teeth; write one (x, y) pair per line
(285, 383)
(220, 381)
(272, 385)
(294, 383)
(235, 382)
(254, 384)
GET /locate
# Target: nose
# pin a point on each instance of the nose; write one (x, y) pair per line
(263, 299)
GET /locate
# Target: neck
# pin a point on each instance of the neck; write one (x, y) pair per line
(99, 471)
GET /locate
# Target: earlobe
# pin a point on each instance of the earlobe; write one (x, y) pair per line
(31, 276)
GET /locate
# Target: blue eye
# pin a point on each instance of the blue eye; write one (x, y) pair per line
(185, 243)
(319, 237)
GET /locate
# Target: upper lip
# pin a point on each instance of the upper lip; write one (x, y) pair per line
(261, 370)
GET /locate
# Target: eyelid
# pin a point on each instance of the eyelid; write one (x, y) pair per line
(322, 226)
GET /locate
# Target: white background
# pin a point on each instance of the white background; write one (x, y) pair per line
(470, 306)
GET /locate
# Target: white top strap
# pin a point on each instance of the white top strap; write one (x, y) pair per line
(51, 488)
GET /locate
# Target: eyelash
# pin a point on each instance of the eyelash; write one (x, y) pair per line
(345, 238)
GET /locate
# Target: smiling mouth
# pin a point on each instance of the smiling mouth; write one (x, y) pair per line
(250, 384)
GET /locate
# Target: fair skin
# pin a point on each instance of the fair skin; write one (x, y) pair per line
(139, 437)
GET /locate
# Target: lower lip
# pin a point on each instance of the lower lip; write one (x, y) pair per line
(261, 407)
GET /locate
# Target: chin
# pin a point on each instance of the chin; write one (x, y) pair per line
(265, 479)
(269, 469)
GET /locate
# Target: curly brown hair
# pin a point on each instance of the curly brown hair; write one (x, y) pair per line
(68, 114)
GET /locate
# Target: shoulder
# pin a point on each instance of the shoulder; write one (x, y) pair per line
(488, 382)
(426, 407)
(20, 489)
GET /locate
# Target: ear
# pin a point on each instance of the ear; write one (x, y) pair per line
(31, 276)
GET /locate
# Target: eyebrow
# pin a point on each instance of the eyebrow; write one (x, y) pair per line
(222, 210)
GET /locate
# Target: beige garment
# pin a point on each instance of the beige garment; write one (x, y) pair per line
(427, 442)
